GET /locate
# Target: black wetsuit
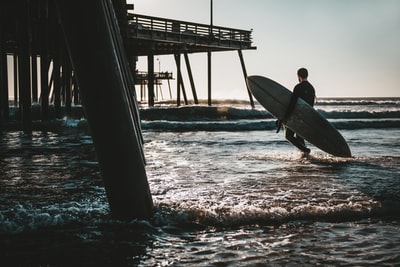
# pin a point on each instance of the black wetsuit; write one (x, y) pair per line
(305, 91)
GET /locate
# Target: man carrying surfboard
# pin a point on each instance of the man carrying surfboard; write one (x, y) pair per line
(302, 119)
(306, 91)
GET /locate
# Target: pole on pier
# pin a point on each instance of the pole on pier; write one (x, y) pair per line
(179, 79)
(108, 110)
(245, 77)
(180, 84)
(57, 75)
(211, 35)
(66, 76)
(24, 69)
(75, 92)
(169, 89)
(44, 63)
(150, 79)
(34, 78)
(209, 76)
(4, 106)
(189, 69)
(16, 80)
(4, 112)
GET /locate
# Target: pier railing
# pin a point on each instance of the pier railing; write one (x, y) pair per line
(143, 76)
(192, 34)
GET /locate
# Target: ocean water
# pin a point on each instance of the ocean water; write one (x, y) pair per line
(227, 189)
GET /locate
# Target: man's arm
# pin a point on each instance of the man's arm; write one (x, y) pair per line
(292, 104)
(289, 110)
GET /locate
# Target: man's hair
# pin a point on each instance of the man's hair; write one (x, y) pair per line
(303, 73)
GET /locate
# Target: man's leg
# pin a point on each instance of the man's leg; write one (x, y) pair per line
(300, 140)
(296, 141)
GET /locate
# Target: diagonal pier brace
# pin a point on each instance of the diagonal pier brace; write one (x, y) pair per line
(94, 55)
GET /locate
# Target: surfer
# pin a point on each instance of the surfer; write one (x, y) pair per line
(306, 91)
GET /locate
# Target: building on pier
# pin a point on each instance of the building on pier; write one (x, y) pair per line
(141, 78)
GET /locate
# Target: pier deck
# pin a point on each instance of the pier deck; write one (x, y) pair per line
(160, 36)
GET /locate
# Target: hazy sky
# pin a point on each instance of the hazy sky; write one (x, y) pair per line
(350, 47)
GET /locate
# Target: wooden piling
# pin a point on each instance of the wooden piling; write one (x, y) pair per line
(4, 106)
(209, 76)
(179, 81)
(245, 77)
(98, 71)
(180, 84)
(191, 80)
(44, 63)
(57, 74)
(150, 84)
(66, 77)
(16, 80)
(24, 68)
(34, 83)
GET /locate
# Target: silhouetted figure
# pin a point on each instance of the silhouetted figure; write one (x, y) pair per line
(306, 91)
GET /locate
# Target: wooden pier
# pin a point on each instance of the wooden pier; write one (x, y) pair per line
(150, 36)
(63, 53)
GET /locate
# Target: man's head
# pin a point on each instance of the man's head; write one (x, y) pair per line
(302, 73)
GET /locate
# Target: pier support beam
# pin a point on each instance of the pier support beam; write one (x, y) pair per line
(209, 76)
(189, 69)
(245, 77)
(4, 106)
(34, 78)
(66, 77)
(150, 84)
(57, 76)
(101, 78)
(180, 84)
(24, 69)
(16, 80)
(44, 64)
(179, 79)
